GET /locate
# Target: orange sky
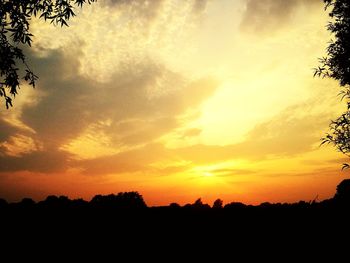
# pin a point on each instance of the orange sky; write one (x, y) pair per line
(211, 99)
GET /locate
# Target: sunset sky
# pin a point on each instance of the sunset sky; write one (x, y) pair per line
(176, 100)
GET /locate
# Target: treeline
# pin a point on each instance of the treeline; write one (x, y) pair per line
(135, 201)
(115, 224)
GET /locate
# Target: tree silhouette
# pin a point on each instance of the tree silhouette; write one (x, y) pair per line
(27, 202)
(343, 192)
(15, 17)
(125, 200)
(198, 204)
(336, 65)
(217, 204)
(174, 205)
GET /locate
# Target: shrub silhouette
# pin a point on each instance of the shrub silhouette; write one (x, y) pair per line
(343, 192)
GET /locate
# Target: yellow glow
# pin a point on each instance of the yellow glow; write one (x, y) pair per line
(207, 174)
(92, 143)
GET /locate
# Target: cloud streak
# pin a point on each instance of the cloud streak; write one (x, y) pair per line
(267, 16)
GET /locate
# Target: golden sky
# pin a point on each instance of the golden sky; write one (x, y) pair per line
(176, 100)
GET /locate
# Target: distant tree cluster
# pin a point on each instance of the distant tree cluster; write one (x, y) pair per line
(134, 201)
(15, 17)
(336, 65)
(121, 201)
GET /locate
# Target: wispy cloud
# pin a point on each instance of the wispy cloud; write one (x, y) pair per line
(267, 16)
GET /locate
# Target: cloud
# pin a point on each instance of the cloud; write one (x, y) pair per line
(153, 6)
(59, 115)
(145, 13)
(6, 130)
(199, 5)
(140, 103)
(266, 16)
(39, 161)
(341, 160)
(231, 172)
(128, 161)
(155, 17)
(15, 140)
(140, 9)
(191, 133)
(288, 134)
(18, 145)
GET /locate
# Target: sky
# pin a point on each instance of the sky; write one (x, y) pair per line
(177, 100)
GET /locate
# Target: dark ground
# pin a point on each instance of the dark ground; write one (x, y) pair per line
(122, 227)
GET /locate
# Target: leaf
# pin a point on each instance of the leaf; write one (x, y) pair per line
(345, 166)
(63, 22)
(324, 141)
(15, 16)
(8, 102)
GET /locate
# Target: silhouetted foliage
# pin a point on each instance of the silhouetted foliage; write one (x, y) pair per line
(80, 202)
(235, 205)
(55, 202)
(126, 200)
(174, 205)
(15, 17)
(134, 201)
(198, 204)
(343, 192)
(27, 202)
(217, 204)
(103, 225)
(336, 65)
(3, 203)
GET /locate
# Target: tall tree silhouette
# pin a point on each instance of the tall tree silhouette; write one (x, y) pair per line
(336, 65)
(15, 19)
